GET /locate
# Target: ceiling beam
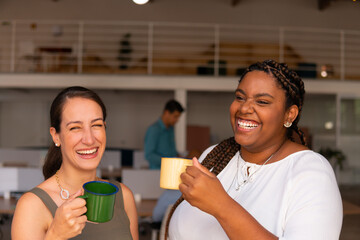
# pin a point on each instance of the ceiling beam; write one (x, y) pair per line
(234, 2)
(322, 4)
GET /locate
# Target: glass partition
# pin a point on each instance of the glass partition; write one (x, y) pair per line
(318, 120)
(349, 141)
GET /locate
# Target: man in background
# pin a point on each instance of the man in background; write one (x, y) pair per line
(160, 137)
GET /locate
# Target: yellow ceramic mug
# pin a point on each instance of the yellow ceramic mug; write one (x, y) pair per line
(171, 169)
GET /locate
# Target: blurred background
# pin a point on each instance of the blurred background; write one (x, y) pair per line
(139, 56)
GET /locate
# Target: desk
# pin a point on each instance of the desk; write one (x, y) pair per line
(350, 208)
(7, 206)
(51, 57)
(55, 50)
(145, 207)
(111, 174)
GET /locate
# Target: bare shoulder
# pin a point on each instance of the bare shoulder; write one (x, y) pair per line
(126, 191)
(28, 198)
(129, 201)
(130, 209)
(31, 217)
(31, 201)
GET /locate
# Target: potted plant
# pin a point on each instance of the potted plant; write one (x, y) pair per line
(336, 158)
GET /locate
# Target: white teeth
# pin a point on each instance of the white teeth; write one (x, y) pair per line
(247, 125)
(91, 151)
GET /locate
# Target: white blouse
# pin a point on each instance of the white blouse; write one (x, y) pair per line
(294, 198)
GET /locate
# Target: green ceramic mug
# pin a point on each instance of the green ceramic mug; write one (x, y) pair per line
(100, 200)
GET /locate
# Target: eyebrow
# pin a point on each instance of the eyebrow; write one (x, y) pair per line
(256, 95)
(92, 121)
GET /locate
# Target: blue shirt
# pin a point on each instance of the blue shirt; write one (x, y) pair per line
(159, 142)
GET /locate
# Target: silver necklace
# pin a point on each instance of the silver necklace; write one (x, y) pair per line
(239, 185)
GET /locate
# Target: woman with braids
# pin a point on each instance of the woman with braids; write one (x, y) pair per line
(52, 209)
(260, 184)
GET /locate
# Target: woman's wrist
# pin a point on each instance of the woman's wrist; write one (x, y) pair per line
(51, 234)
(224, 208)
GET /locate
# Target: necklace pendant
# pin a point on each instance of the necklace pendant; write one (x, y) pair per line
(240, 185)
(64, 194)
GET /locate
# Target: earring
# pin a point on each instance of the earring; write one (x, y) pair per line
(287, 124)
(56, 144)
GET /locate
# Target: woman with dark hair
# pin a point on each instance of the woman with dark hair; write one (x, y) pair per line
(260, 184)
(52, 209)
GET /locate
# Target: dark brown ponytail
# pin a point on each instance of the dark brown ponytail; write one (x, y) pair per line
(53, 161)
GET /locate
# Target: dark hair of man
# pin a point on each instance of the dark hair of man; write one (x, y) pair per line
(53, 157)
(220, 156)
(172, 106)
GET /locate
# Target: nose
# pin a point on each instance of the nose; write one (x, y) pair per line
(88, 137)
(247, 106)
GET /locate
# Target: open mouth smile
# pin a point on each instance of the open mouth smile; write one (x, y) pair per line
(87, 151)
(247, 125)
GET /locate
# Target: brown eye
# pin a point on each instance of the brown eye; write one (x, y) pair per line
(239, 98)
(262, 102)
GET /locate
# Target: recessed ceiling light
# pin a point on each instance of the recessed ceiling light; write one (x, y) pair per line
(140, 2)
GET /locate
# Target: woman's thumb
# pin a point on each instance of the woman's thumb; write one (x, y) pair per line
(75, 195)
(197, 164)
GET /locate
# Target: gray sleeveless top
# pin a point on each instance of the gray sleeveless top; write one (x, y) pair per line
(117, 228)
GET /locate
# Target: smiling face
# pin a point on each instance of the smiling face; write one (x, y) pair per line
(82, 136)
(258, 113)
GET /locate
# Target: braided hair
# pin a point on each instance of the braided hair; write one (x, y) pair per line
(215, 161)
(220, 156)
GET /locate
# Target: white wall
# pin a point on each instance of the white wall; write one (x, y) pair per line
(340, 14)
(130, 113)
(211, 109)
(25, 120)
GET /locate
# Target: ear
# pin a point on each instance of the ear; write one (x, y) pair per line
(291, 114)
(54, 135)
(165, 115)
